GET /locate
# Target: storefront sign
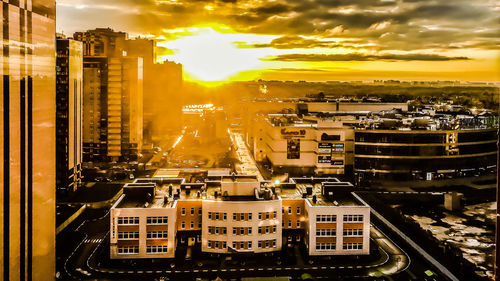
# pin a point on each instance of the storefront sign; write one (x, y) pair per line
(293, 133)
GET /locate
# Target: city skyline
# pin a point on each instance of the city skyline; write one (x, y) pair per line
(307, 40)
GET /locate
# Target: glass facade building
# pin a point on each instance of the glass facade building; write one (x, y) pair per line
(28, 140)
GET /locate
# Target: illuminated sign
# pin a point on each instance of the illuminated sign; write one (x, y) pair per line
(295, 133)
(338, 162)
(324, 159)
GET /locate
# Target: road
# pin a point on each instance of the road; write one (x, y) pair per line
(247, 165)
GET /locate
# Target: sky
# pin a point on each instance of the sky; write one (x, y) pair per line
(313, 40)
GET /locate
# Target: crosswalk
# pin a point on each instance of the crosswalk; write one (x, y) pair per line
(93, 241)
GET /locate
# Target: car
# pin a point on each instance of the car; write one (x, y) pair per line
(131, 176)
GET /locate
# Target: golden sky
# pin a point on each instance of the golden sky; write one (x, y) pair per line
(314, 40)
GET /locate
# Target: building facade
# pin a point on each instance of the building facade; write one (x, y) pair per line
(373, 146)
(237, 215)
(28, 140)
(69, 88)
(113, 108)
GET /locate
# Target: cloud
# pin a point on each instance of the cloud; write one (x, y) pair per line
(361, 57)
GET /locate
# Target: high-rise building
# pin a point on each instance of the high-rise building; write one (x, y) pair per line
(162, 87)
(113, 124)
(69, 88)
(28, 140)
(102, 42)
(95, 110)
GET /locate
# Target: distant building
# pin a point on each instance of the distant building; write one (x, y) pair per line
(28, 141)
(237, 215)
(113, 109)
(69, 90)
(161, 82)
(375, 146)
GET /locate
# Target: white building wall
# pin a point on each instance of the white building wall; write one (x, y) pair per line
(231, 207)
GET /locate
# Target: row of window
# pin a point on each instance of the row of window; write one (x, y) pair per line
(290, 223)
(358, 218)
(353, 232)
(266, 244)
(216, 244)
(217, 216)
(128, 250)
(353, 246)
(157, 234)
(325, 246)
(267, 229)
(156, 249)
(217, 230)
(242, 230)
(183, 211)
(191, 224)
(128, 220)
(326, 218)
(326, 232)
(298, 211)
(128, 235)
(242, 244)
(242, 216)
(267, 215)
(157, 220)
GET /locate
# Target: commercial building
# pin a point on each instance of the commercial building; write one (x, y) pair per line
(69, 90)
(236, 214)
(28, 141)
(372, 146)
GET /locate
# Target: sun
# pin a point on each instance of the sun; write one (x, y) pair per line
(207, 54)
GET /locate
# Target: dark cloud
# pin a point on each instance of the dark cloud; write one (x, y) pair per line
(385, 25)
(362, 57)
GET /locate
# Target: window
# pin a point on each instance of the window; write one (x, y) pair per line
(326, 232)
(260, 216)
(350, 218)
(298, 224)
(289, 223)
(199, 211)
(353, 232)
(192, 211)
(128, 235)
(274, 243)
(224, 244)
(183, 211)
(325, 246)
(157, 220)
(225, 216)
(282, 210)
(156, 249)
(234, 216)
(352, 246)
(267, 215)
(128, 250)
(260, 230)
(216, 216)
(128, 220)
(326, 218)
(209, 215)
(242, 217)
(192, 225)
(249, 216)
(249, 244)
(157, 234)
(298, 210)
(234, 231)
(199, 224)
(249, 231)
(275, 214)
(183, 225)
(274, 228)
(289, 210)
(209, 244)
(234, 245)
